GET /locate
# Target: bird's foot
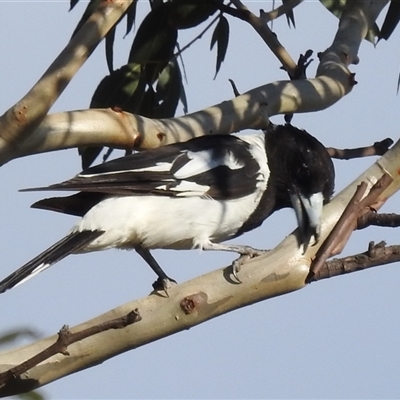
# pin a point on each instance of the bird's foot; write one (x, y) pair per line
(164, 284)
(247, 254)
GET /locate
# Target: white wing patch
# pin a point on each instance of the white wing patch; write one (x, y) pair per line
(159, 167)
(186, 189)
(205, 160)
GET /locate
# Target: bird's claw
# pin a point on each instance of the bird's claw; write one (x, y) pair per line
(237, 264)
(164, 284)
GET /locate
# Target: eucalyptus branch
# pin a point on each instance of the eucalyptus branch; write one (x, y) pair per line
(251, 110)
(279, 271)
(65, 338)
(18, 123)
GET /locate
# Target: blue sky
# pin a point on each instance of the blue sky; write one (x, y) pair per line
(336, 338)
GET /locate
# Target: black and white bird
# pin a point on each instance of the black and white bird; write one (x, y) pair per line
(195, 194)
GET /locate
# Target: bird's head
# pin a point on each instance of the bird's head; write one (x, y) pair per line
(305, 178)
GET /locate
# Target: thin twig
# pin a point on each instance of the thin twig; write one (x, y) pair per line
(267, 35)
(65, 339)
(199, 36)
(281, 10)
(234, 87)
(376, 255)
(377, 149)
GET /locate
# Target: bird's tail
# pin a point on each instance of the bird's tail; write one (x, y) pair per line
(75, 241)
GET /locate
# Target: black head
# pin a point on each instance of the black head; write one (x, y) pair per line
(303, 176)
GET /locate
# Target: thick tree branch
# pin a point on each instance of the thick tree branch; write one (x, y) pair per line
(18, 123)
(65, 339)
(250, 110)
(280, 271)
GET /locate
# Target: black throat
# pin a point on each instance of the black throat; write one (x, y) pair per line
(297, 161)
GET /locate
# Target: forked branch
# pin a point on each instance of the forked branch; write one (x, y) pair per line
(21, 120)
(280, 271)
(347, 223)
(376, 255)
(251, 110)
(65, 339)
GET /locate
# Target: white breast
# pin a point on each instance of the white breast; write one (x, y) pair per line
(164, 222)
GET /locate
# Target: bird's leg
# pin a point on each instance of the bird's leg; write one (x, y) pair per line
(246, 252)
(163, 281)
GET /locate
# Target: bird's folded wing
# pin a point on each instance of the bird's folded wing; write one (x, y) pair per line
(221, 167)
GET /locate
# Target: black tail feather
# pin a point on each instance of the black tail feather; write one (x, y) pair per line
(69, 244)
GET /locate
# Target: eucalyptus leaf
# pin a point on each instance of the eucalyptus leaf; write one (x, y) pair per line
(221, 37)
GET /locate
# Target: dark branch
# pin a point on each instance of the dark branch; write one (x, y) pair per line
(376, 255)
(240, 13)
(66, 338)
(347, 223)
(377, 149)
(299, 72)
(234, 88)
(284, 9)
(376, 219)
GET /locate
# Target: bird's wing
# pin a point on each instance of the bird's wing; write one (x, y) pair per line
(221, 167)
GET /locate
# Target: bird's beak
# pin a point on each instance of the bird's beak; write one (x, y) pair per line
(309, 213)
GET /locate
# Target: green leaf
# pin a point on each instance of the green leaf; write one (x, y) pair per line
(168, 91)
(392, 18)
(290, 16)
(183, 99)
(117, 89)
(156, 3)
(72, 4)
(110, 48)
(221, 37)
(12, 336)
(154, 43)
(130, 17)
(162, 101)
(33, 395)
(186, 14)
(124, 88)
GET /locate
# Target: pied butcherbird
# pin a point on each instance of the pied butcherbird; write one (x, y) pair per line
(195, 194)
